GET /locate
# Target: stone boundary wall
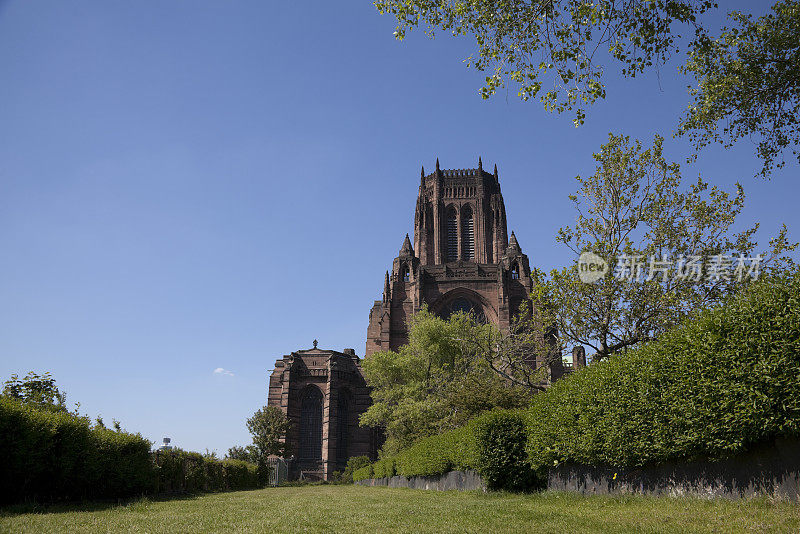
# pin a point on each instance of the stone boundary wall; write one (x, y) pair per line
(768, 469)
(453, 480)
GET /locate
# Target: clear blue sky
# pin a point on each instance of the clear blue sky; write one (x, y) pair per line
(192, 185)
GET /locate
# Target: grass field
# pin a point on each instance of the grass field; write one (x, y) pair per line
(362, 509)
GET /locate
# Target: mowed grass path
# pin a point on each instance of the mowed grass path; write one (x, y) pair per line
(362, 509)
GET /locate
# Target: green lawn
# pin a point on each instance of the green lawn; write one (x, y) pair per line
(362, 509)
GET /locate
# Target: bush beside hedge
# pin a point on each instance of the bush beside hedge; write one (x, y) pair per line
(51, 455)
(500, 438)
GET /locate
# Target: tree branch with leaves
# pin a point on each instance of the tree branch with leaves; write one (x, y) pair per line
(748, 85)
(558, 50)
(633, 206)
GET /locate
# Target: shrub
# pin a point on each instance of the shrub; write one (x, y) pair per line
(353, 464)
(502, 458)
(363, 473)
(709, 389)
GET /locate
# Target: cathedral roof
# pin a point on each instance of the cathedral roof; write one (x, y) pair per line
(464, 176)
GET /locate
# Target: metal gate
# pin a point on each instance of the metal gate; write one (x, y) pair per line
(278, 471)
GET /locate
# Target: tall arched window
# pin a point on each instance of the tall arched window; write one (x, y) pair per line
(467, 235)
(343, 430)
(451, 235)
(311, 424)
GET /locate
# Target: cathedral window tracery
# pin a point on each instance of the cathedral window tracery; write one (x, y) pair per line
(451, 235)
(465, 305)
(311, 424)
(467, 235)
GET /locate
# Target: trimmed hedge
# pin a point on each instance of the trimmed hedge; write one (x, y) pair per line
(709, 389)
(50, 456)
(461, 449)
(179, 471)
(57, 455)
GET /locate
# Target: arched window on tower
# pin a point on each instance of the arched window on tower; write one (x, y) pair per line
(343, 430)
(451, 235)
(467, 235)
(429, 248)
(515, 271)
(311, 424)
(405, 273)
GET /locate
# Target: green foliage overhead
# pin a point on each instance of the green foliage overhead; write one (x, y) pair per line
(558, 50)
(634, 206)
(437, 381)
(708, 389)
(748, 85)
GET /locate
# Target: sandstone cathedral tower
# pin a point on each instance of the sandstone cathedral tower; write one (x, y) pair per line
(462, 258)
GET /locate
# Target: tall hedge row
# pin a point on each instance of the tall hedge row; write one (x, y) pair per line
(709, 389)
(48, 456)
(57, 455)
(178, 471)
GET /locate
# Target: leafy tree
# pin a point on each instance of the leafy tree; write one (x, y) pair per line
(438, 381)
(633, 210)
(568, 41)
(748, 85)
(268, 427)
(37, 390)
(246, 454)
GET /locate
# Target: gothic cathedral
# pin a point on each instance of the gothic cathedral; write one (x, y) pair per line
(462, 258)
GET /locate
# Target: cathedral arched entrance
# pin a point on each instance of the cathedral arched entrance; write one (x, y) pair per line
(467, 301)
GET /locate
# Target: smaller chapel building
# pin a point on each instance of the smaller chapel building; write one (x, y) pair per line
(323, 392)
